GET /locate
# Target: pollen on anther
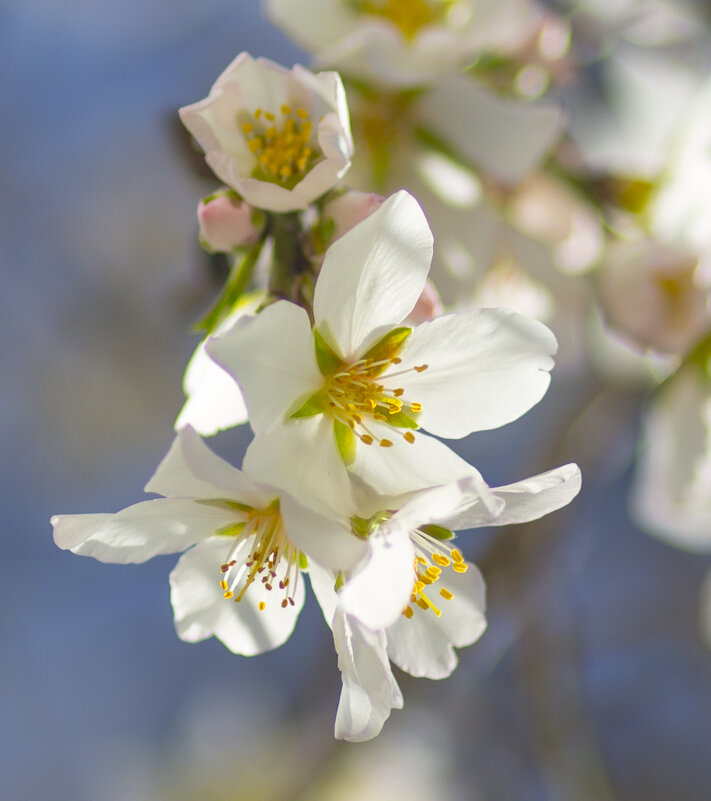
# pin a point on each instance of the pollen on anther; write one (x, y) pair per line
(421, 368)
(416, 407)
(285, 602)
(269, 116)
(407, 611)
(456, 555)
(366, 439)
(446, 594)
(285, 109)
(440, 560)
(385, 443)
(398, 392)
(409, 436)
(301, 112)
(228, 594)
(224, 568)
(224, 585)
(247, 127)
(396, 360)
(261, 605)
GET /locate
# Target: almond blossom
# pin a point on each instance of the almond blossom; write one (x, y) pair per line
(245, 545)
(416, 599)
(280, 138)
(353, 390)
(402, 42)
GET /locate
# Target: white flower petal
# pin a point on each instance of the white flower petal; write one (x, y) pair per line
(214, 401)
(373, 275)
(141, 531)
(407, 467)
(486, 367)
(323, 585)
(301, 458)
(191, 470)
(326, 541)
(423, 645)
(504, 137)
(312, 23)
(272, 358)
(201, 611)
(378, 591)
(369, 687)
(522, 501)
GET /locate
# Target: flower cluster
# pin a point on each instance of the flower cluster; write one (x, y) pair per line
(328, 338)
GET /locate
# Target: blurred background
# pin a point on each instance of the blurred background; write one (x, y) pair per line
(591, 683)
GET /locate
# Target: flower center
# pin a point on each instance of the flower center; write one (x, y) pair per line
(356, 396)
(281, 147)
(407, 15)
(261, 550)
(431, 558)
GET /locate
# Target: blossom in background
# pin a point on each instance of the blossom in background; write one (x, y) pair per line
(403, 42)
(416, 599)
(670, 497)
(245, 545)
(353, 390)
(280, 138)
(655, 294)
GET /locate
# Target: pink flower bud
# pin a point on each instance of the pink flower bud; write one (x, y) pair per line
(226, 223)
(349, 209)
(428, 306)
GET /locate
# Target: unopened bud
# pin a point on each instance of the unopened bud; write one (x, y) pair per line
(226, 222)
(350, 208)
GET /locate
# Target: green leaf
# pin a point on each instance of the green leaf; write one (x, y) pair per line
(388, 347)
(316, 404)
(345, 442)
(437, 532)
(328, 360)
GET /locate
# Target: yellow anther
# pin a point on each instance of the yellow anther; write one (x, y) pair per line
(422, 603)
(421, 560)
(269, 116)
(257, 113)
(270, 133)
(284, 604)
(407, 611)
(247, 127)
(285, 109)
(396, 360)
(224, 585)
(416, 407)
(366, 439)
(398, 392)
(385, 443)
(433, 571)
(446, 594)
(409, 436)
(460, 567)
(456, 555)
(302, 113)
(381, 417)
(421, 368)
(255, 145)
(285, 172)
(228, 594)
(440, 559)
(261, 606)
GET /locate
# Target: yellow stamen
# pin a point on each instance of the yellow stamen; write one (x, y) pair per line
(446, 594)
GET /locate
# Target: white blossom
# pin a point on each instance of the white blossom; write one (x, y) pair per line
(280, 138)
(353, 390)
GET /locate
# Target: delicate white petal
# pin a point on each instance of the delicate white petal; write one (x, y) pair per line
(312, 23)
(369, 687)
(272, 358)
(523, 501)
(141, 531)
(301, 458)
(323, 584)
(506, 138)
(214, 401)
(407, 467)
(442, 504)
(191, 470)
(70, 531)
(325, 540)
(373, 275)
(486, 367)
(201, 611)
(378, 591)
(423, 645)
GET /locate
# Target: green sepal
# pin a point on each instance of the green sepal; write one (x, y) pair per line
(303, 561)
(387, 347)
(316, 404)
(339, 582)
(345, 442)
(232, 530)
(328, 360)
(360, 526)
(437, 532)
